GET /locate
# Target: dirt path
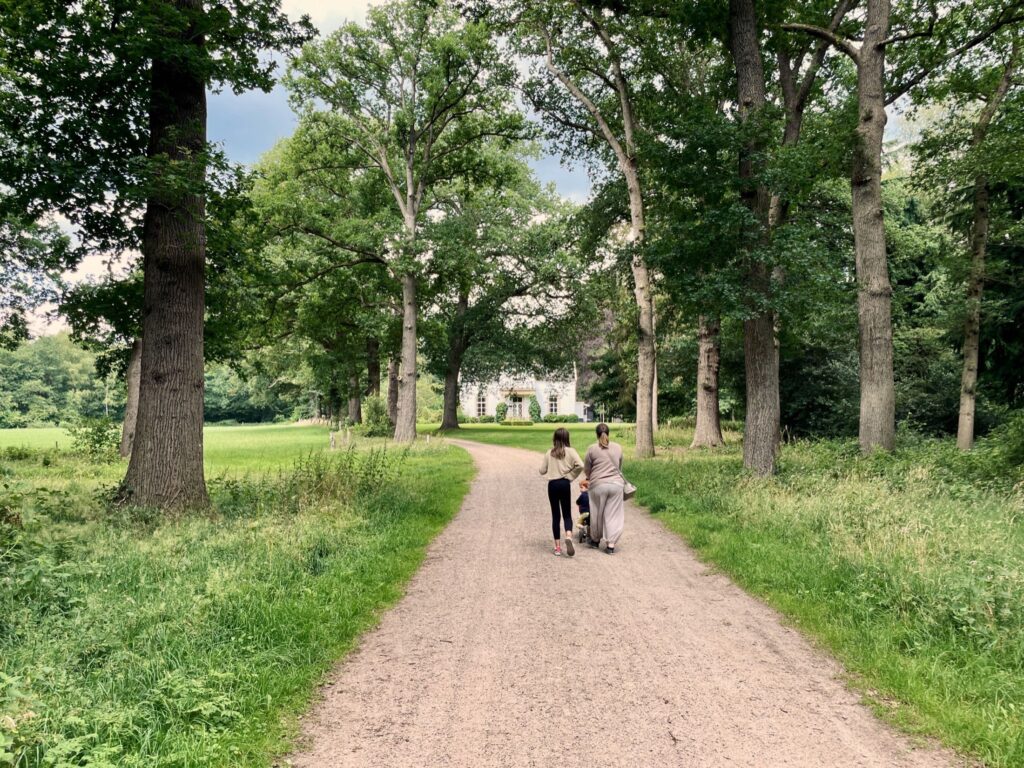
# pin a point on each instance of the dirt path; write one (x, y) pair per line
(500, 655)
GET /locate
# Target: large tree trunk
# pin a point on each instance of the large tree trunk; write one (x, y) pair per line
(456, 351)
(166, 466)
(393, 366)
(373, 367)
(708, 429)
(355, 401)
(979, 247)
(874, 291)
(405, 425)
(642, 290)
(761, 361)
(654, 385)
(450, 414)
(131, 408)
(972, 323)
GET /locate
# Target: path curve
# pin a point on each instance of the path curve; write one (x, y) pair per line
(499, 656)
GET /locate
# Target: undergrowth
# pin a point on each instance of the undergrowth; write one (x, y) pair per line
(129, 639)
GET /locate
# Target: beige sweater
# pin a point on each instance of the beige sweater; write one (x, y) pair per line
(566, 468)
(603, 465)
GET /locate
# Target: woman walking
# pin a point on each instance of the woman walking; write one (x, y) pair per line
(561, 466)
(602, 469)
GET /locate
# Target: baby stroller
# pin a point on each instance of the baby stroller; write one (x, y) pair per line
(583, 521)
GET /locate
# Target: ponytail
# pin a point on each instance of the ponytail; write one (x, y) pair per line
(602, 435)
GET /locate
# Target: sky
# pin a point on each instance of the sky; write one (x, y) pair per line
(249, 124)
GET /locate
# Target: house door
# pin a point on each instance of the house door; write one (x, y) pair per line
(515, 409)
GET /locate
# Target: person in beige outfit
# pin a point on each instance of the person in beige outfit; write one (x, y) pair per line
(561, 466)
(602, 469)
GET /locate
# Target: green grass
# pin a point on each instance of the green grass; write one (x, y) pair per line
(913, 578)
(167, 637)
(226, 449)
(537, 437)
(134, 640)
(909, 567)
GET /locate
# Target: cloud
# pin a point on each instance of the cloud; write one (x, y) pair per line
(327, 15)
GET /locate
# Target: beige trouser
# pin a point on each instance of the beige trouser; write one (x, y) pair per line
(607, 516)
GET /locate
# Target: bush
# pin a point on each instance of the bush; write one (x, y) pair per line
(485, 419)
(375, 418)
(561, 418)
(501, 412)
(517, 423)
(1006, 442)
(534, 408)
(97, 438)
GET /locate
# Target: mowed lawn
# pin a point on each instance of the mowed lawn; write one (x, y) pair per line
(909, 567)
(226, 449)
(129, 638)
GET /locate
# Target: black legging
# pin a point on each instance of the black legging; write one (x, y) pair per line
(560, 494)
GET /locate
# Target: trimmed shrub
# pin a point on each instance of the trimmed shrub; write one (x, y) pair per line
(534, 408)
(485, 419)
(501, 412)
(561, 418)
(517, 423)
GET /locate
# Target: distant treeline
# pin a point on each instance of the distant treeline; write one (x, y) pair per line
(51, 380)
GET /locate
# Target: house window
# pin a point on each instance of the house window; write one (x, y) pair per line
(481, 404)
(553, 404)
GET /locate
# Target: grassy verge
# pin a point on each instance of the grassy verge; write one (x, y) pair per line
(135, 640)
(911, 575)
(909, 567)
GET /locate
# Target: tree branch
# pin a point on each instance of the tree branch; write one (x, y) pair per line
(828, 36)
(979, 38)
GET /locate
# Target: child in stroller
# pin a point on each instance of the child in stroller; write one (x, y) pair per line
(583, 503)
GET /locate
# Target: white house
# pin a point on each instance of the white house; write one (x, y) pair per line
(555, 397)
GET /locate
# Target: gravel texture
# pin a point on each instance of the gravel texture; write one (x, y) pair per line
(502, 654)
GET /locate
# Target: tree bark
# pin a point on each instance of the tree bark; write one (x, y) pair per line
(166, 466)
(355, 401)
(654, 384)
(133, 378)
(456, 351)
(450, 414)
(874, 291)
(646, 354)
(405, 424)
(708, 429)
(373, 367)
(972, 323)
(393, 366)
(761, 432)
(979, 247)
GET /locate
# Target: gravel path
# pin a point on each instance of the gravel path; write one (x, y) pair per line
(500, 655)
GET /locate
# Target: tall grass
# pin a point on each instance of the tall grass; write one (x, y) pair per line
(132, 640)
(909, 567)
